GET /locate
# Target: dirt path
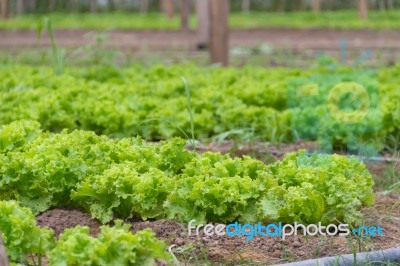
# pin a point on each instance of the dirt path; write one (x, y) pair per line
(323, 39)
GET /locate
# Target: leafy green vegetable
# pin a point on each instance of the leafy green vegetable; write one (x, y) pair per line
(113, 246)
(21, 235)
(151, 102)
(121, 190)
(217, 188)
(326, 188)
(17, 134)
(129, 178)
(42, 173)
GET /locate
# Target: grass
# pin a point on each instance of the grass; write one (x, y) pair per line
(190, 255)
(99, 21)
(345, 19)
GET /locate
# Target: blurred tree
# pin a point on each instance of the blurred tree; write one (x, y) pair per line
(119, 4)
(381, 4)
(316, 5)
(111, 5)
(32, 5)
(389, 4)
(281, 5)
(330, 4)
(52, 5)
(75, 5)
(20, 7)
(185, 15)
(93, 6)
(4, 6)
(246, 5)
(363, 9)
(144, 6)
(167, 6)
(300, 5)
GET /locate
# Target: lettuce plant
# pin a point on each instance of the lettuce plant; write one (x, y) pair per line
(21, 236)
(321, 187)
(112, 246)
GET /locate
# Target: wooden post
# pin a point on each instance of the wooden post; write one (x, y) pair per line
(203, 24)
(3, 255)
(4, 9)
(185, 15)
(362, 9)
(93, 6)
(316, 6)
(219, 48)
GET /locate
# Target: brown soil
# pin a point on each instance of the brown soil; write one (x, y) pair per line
(59, 219)
(265, 250)
(298, 39)
(194, 250)
(261, 150)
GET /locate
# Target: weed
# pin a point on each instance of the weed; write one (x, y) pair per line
(191, 112)
(58, 55)
(189, 254)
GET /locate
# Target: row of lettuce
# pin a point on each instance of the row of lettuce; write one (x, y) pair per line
(67, 141)
(28, 244)
(127, 178)
(278, 105)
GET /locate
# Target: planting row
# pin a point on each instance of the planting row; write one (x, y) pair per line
(27, 244)
(124, 178)
(337, 107)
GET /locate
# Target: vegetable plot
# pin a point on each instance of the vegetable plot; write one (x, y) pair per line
(151, 102)
(115, 245)
(125, 178)
(72, 141)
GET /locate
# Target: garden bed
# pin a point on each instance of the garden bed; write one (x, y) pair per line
(260, 250)
(193, 250)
